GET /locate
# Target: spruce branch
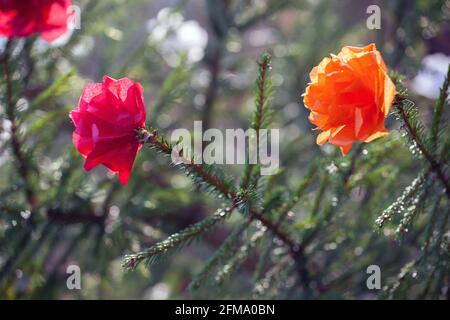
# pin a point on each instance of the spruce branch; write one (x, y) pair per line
(261, 117)
(16, 144)
(284, 209)
(263, 94)
(271, 276)
(406, 112)
(229, 247)
(299, 193)
(175, 241)
(340, 194)
(439, 110)
(403, 202)
(173, 87)
(446, 151)
(223, 253)
(411, 268)
(240, 256)
(416, 205)
(207, 177)
(249, 200)
(23, 166)
(262, 114)
(430, 232)
(213, 179)
(156, 141)
(57, 88)
(406, 270)
(324, 183)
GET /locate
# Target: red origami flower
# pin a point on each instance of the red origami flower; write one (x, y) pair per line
(106, 120)
(22, 18)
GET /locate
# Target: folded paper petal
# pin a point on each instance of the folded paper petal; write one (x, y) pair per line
(349, 96)
(106, 120)
(23, 18)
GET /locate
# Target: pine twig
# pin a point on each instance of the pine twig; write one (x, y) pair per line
(225, 250)
(15, 141)
(263, 86)
(263, 94)
(23, 166)
(160, 144)
(435, 164)
(239, 256)
(408, 196)
(177, 240)
(438, 110)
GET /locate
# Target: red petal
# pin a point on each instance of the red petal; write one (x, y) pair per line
(24, 18)
(105, 122)
(117, 155)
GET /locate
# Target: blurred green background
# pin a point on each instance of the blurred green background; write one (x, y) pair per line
(197, 61)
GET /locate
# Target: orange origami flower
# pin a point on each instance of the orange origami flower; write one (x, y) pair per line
(349, 96)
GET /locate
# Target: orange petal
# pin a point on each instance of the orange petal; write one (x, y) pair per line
(376, 135)
(313, 75)
(349, 96)
(389, 95)
(345, 149)
(323, 137)
(343, 135)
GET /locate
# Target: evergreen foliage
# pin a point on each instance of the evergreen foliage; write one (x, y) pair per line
(210, 231)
